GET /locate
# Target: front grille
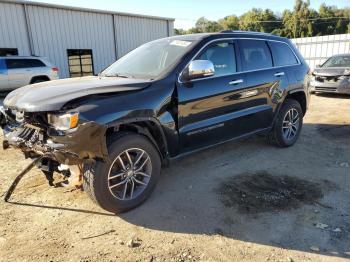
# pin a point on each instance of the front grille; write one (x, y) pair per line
(326, 89)
(28, 134)
(326, 79)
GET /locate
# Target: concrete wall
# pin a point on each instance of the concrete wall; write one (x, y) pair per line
(49, 30)
(317, 49)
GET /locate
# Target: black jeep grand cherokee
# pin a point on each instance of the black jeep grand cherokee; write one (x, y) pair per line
(164, 99)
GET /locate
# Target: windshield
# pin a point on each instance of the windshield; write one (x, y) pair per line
(337, 61)
(149, 60)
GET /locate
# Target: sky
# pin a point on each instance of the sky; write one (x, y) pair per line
(186, 12)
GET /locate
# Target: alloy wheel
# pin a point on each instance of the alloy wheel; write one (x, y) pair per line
(291, 123)
(129, 174)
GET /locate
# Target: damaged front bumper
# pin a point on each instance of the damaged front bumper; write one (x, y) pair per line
(87, 141)
(323, 84)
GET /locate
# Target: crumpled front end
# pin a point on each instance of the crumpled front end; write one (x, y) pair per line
(331, 80)
(31, 133)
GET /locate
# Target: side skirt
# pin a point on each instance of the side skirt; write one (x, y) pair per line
(259, 131)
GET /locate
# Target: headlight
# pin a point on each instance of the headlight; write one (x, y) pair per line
(64, 121)
(344, 77)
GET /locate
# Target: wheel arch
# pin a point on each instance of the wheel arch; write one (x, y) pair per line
(148, 127)
(300, 96)
(43, 77)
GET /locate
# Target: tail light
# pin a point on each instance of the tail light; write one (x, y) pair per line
(55, 69)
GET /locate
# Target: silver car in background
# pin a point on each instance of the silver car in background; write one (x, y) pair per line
(333, 76)
(17, 71)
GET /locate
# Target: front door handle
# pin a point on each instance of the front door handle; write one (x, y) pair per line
(278, 74)
(236, 82)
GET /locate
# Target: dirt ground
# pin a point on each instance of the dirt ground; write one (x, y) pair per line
(242, 201)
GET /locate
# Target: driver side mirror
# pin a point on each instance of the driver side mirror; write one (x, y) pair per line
(318, 65)
(200, 68)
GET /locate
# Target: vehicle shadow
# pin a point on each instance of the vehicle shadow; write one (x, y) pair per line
(61, 208)
(188, 198)
(331, 95)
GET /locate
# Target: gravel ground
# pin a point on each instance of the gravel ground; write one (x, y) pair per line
(223, 204)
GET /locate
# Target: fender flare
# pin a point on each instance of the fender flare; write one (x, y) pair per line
(283, 100)
(144, 131)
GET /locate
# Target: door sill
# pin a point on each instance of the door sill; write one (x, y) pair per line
(181, 155)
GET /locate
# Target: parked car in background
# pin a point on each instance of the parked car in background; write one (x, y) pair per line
(163, 100)
(333, 76)
(17, 71)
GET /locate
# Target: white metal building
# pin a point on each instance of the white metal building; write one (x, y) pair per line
(79, 41)
(317, 49)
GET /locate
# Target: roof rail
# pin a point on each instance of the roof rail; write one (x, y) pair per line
(244, 32)
(227, 31)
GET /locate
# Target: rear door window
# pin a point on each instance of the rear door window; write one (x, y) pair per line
(255, 55)
(222, 55)
(23, 63)
(282, 54)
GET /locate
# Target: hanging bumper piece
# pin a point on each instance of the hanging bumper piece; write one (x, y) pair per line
(19, 177)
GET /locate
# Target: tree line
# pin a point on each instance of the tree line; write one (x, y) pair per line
(302, 21)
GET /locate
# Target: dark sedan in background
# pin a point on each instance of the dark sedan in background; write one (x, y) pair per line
(333, 76)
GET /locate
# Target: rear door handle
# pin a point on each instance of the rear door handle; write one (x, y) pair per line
(279, 74)
(236, 82)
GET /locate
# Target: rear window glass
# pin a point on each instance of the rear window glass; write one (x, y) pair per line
(255, 54)
(282, 54)
(23, 63)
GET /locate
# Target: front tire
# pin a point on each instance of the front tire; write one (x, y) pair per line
(130, 176)
(288, 125)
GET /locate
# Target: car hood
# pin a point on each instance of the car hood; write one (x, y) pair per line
(332, 71)
(52, 95)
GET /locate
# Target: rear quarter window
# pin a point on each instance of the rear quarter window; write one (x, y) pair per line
(255, 55)
(282, 54)
(23, 63)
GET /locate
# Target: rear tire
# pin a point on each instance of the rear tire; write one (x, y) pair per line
(133, 158)
(288, 124)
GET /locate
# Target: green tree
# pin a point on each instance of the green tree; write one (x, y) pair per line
(259, 20)
(302, 21)
(325, 25)
(205, 25)
(179, 31)
(229, 23)
(297, 23)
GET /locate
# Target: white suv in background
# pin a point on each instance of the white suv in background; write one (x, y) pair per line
(17, 71)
